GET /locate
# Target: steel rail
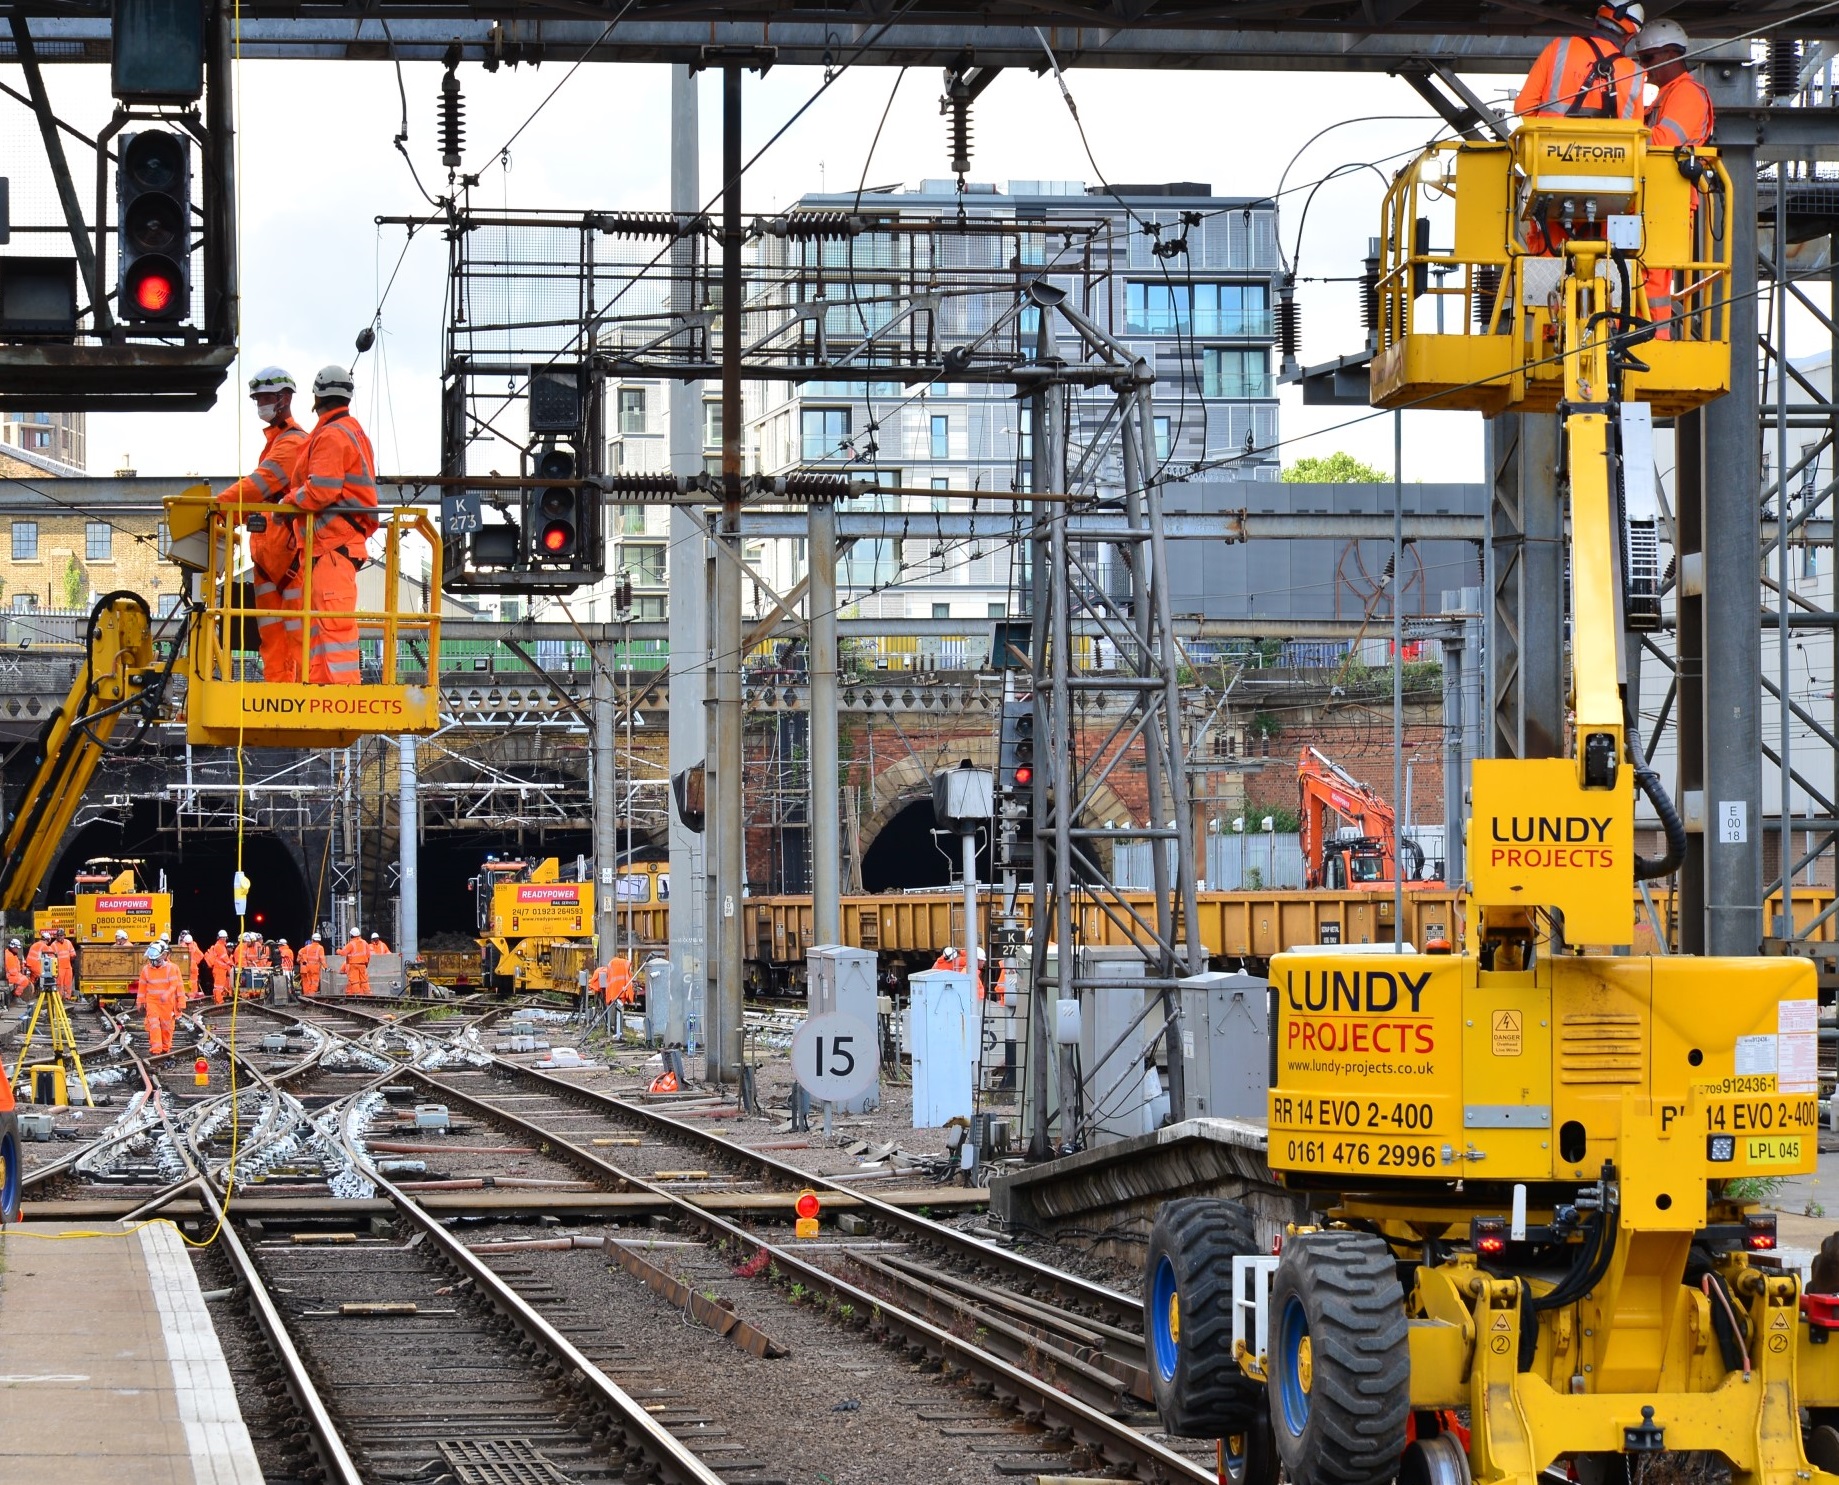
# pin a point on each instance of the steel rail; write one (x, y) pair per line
(1036, 1399)
(1067, 1286)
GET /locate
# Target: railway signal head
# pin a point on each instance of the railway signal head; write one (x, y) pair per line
(153, 190)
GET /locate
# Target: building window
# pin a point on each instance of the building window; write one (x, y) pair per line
(25, 541)
(170, 604)
(1164, 432)
(825, 432)
(1197, 309)
(941, 611)
(941, 436)
(162, 539)
(712, 424)
(645, 561)
(41, 440)
(999, 610)
(1228, 373)
(98, 541)
(631, 520)
(648, 608)
(25, 603)
(631, 409)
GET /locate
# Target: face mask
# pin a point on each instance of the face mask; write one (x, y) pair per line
(268, 412)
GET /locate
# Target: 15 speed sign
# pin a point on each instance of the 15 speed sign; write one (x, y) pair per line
(835, 1057)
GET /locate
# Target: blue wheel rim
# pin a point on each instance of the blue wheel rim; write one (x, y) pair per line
(1163, 1298)
(1292, 1397)
(9, 1175)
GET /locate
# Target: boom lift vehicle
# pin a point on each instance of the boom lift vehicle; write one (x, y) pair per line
(138, 673)
(1524, 1155)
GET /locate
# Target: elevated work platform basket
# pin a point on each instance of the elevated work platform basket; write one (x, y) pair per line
(229, 702)
(1479, 325)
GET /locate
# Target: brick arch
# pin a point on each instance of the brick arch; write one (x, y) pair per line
(903, 783)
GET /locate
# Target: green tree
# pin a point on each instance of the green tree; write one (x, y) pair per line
(75, 584)
(1339, 468)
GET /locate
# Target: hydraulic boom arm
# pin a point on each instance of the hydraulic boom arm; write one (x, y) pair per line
(119, 680)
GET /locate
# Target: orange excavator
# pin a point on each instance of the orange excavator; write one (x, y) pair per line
(1358, 857)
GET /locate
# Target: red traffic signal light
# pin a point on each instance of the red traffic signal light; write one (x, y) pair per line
(807, 1205)
(151, 289)
(558, 538)
(1024, 776)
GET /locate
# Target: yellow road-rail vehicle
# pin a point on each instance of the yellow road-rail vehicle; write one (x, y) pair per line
(1531, 1250)
(536, 930)
(111, 898)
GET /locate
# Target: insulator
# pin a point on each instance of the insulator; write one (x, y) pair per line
(960, 136)
(1784, 68)
(452, 121)
(1289, 322)
(1487, 290)
(1369, 295)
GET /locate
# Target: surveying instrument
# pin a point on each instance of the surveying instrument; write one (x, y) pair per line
(50, 1005)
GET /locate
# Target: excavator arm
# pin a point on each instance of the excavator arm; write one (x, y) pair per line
(120, 681)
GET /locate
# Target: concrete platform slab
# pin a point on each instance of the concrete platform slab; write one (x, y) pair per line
(112, 1371)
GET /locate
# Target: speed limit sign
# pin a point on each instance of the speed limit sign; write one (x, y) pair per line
(835, 1057)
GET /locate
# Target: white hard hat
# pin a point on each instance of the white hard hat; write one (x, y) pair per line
(378, 937)
(280, 940)
(186, 936)
(223, 933)
(334, 381)
(316, 938)
(357, 933)
(1658, 34)
(271, 379)
(981, 956)
(121, 935)
(154, 951)
(13, 943)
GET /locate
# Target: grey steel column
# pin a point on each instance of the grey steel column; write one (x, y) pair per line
(1398, 682)
(408, 843)
(826, 828)
(605, 765)
(1689, 668)
(1732, 536)
(1785, 929)
(729, 805)
(1456, 663)
(1043, 581)
(1526, 527)
(689, 625)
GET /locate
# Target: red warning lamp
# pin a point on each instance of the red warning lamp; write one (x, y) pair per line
(1024, 776)
(807, 1205)
(152, 292)
(201, 1072)
(558, 537)
(1489, 1234)
(1760, 1231)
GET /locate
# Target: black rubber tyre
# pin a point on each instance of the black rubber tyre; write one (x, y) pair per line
(1187, 1318)
(1340, 1363)
(1250, 1457)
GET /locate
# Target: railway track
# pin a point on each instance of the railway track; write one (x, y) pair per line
(1060, 1352)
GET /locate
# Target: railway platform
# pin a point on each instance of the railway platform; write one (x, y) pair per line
(112, 1370)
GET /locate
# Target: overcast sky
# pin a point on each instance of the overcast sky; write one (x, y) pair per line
(317, 167)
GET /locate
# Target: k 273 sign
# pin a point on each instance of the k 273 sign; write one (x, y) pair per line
(836, 1057)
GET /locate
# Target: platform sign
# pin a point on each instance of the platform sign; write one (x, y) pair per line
(836, 1057)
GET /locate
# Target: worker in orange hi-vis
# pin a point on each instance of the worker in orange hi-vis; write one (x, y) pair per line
(337, 475)
(66, 953)
(950, 960)
(1681, 116)
(619, 985)
(357, 965)
(272, 551)
(312, 960)
(18, 981)
(219, 960)
(160, 992)
(191, 965)
(38, 957)
(284, 954)
(1583, 76)
(377, 944)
